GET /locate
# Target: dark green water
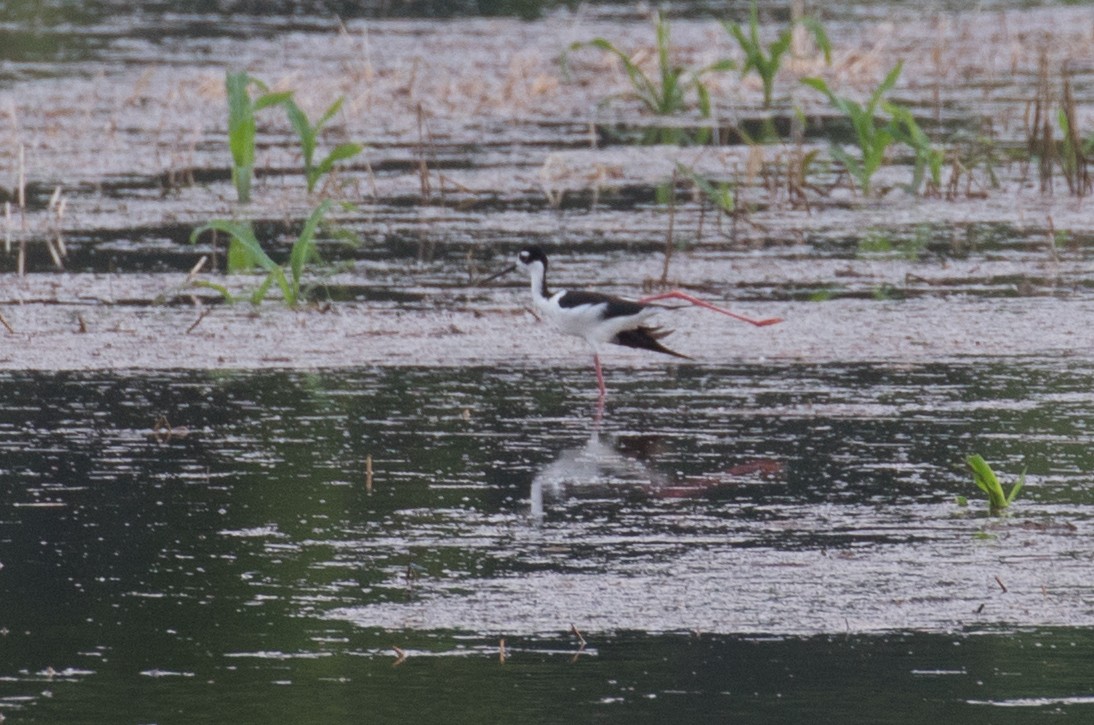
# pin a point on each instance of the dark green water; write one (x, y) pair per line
(747, 544)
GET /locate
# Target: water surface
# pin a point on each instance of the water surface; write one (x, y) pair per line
(776, 539)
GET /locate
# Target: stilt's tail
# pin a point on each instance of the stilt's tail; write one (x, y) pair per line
(646, 338)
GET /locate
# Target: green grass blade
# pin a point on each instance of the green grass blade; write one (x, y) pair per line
(340, 152)
(720, 197)
(272, 99)
(818, 84)
(304, 247)
(249, 250)
(329, 113)
(885, 87)
(819, 36)
(241, 132)
(644, 88)
(854, 166)
(987, 481)
(260, 292)
(228, 297)
(304, 132)
(1016, 488)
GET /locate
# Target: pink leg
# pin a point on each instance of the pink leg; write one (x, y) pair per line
(600, 376)
(678, 295)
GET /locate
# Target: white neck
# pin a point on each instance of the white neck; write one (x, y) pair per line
(538, 274)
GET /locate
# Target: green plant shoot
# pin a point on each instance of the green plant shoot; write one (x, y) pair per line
(245, 252)
(988, 482)
(308, 134)
(766, 64)
(722, 195)
(928, 158)
(241, 125)
(663, 94)
(873, 138)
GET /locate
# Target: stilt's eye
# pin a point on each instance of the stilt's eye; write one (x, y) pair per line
(525, 258)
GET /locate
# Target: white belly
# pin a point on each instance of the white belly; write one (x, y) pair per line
(586, 321)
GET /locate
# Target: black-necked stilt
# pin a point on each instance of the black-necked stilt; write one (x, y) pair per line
(600, 318)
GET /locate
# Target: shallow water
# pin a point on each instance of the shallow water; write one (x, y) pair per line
(769, 532)
(777, 539)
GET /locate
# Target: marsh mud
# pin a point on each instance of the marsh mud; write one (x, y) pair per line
(402, 500)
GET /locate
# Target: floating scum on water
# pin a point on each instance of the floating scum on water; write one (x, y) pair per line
(772, 515)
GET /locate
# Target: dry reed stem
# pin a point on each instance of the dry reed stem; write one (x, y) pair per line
(368, 474)
(196, 269)
(668, 237)
(204, 313)
(4, 322)
(22, 177)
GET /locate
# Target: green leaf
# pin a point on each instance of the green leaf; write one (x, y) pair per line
(304, 131)
(1016, 488)
(885, 87)
(272, 99)
(818, 84)
(329, 113)
(260, 292)
(341, 152)
(248, 251)
(721, 196)
(216, 288)
(644, 88)
(303, 248)
(853, 166)
(820, 36)
(987, 482)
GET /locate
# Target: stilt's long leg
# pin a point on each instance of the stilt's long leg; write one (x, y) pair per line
(678, 295)
(599, 376)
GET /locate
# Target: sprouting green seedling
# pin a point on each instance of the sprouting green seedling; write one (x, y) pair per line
(873, 137)
(241, 125)
(928, 158)
(308, 134)
(767, 63)
(665, 93)
(721, 194)
(245, 253)
(988, 482)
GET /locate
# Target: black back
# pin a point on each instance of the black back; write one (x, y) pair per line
(614, 306)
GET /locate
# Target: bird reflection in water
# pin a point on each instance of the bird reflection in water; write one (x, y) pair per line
(620, 462)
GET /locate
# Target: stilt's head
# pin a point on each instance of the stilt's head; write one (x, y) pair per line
(531, 259)
(534, 261)
(530, 256)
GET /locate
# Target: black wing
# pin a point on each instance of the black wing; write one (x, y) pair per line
(646, 338)
(614, 306)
